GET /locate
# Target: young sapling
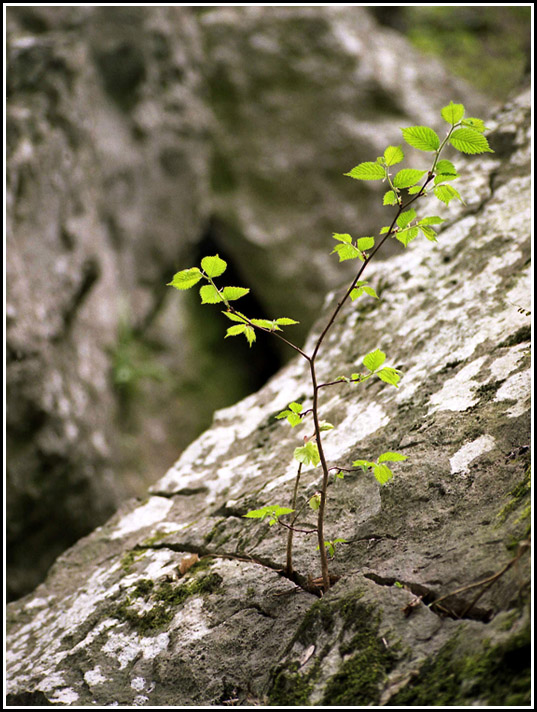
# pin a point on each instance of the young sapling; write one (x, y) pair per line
(406, 187)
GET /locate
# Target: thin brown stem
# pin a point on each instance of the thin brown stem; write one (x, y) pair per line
(486, 583)
(289, 563)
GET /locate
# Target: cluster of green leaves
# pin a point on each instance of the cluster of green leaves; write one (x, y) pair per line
(381, 471)
(272, 511)
(405, 187)
(465, 135)
(374, 361)
(211, 268)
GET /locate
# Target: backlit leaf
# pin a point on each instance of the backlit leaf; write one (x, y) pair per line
(389, 198)
(421, 137)
(393, 155)
(406, 217)
(367, 171)
(231, 293)
(392, 457)
(446, 193)
(382, 473)
(389, 375)
(453, 113)
(210, 295)
(470, 141)
(374, 360)
(407, 177)
(186, 278)
(213, 266)
(365, 243)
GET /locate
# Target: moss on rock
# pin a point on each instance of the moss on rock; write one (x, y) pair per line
(167, 596)
(495, 676)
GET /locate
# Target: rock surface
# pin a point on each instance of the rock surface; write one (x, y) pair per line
(122, 620)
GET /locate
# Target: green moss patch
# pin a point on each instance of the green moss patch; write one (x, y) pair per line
(496, 676)
(357, 682)
(366, 659)
(167, 596)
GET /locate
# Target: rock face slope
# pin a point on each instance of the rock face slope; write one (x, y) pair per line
(121, 619)
(135, 135)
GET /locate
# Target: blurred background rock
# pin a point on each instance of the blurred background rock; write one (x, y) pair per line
(140, 139)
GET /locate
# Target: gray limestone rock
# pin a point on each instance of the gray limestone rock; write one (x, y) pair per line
(179, 600)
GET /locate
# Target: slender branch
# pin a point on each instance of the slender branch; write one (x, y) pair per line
(324, 465)
(316, 387)
(289, 562)
(297, 529)
(296, 348)
(487, 582)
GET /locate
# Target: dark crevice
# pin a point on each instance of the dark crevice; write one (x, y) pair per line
(456, 608)
(263, 359)
(90, 274)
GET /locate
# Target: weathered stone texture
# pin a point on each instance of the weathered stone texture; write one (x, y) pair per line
(116, 624)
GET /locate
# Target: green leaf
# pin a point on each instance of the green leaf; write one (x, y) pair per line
(470, 141)
(273, 511)
(453, 113)
(324, 426)
(389, 375)
(392, 457)
(371, 292)
(307, 454)
(429, 233)
(374, 360)
(347, 252)
(250, 334)
(446, 167)
(364, 464)
(295, 407)
(231, 293)
(315, 501)
(389, 198)
(213, 266)
(285, 321)
(235, 330)
(235, 316)
(476, 124)
(432, 220)
(406, 236)
(293, 419)
(406, 217)
(265, 324)
(393, 155)
(421, 137)
(382, 473)
(210, 295)
(365, 243)
(384, 230)
(367, 171)
(415, 189)
(446, 193)
(407, 177)
(186, 278)
(442, 177)
(342, 237)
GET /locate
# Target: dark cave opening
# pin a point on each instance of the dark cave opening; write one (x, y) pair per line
(264, 358)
